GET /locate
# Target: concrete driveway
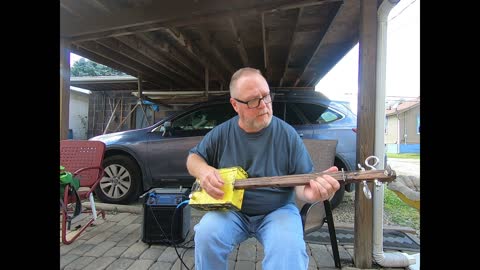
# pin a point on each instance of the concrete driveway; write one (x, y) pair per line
(403, 166)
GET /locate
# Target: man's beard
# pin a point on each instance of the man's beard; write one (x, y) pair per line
(261, 122)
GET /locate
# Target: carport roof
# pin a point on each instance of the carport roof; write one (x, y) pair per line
(198, 44)
(107, 83)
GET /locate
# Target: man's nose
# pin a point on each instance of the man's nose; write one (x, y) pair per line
(262, 103)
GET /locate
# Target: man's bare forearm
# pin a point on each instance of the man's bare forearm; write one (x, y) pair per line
(195, 165)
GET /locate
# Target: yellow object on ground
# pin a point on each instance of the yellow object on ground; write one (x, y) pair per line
(407, 188)
(232, 198)
(405, 199)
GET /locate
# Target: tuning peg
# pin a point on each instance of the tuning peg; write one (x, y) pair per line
(360, 167)
(375, 163)
(366, 190)
(389, 171)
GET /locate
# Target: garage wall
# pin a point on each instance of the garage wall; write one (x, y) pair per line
(103, 103)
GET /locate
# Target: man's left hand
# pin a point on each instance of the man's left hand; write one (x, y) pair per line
(321, 188)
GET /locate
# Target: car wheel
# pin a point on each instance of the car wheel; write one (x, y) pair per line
(121, 181)
(338, 197)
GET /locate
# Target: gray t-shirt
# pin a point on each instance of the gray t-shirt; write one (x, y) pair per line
(276, 150)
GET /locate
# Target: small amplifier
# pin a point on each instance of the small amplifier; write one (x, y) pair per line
(163, 222)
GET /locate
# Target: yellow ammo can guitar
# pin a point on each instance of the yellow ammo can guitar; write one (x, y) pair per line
(236, 181)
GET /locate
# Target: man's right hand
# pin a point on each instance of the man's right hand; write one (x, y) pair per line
(207, 175)
(212, 183)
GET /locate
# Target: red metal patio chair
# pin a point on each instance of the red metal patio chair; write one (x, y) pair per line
(84, 160)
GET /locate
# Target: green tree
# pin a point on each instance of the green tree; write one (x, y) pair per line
(84, 67)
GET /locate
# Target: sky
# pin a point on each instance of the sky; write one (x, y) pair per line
(403, 60)
(74, 58)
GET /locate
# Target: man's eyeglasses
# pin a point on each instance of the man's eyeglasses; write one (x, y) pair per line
(254, 103)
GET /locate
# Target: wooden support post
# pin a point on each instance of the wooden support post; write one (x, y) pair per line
(363, 244)
(140, 97)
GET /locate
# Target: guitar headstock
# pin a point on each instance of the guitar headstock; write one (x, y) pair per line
(383, 176)
(378, 176)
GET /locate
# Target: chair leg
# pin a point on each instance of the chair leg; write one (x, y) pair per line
(66, 225)
(77, 234)
(332, 233)
(83, 228)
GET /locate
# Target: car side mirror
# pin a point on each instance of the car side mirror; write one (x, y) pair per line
(166, 128)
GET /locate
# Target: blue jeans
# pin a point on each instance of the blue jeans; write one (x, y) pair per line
(280, 232)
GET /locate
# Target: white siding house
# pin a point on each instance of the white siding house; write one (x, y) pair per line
(78, 118)
(402, 127)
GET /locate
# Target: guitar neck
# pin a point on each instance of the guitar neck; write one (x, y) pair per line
(386, 175)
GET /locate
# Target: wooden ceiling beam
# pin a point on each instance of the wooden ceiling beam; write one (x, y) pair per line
(98, 5)
(214, 53)
(171, 52)
(94, 56)
(115, 56)
(80, 9)
(151, 11)
(182, 97)
(283, 72)
(239, 43)
(182, 92)
(66, 10)
(317, 47)
(118, 32)
(220, 57)
(303, 4)
(180, 100)
(192, 49)
(152, 55)
(290, 46)
(156, 16)
(138, 58)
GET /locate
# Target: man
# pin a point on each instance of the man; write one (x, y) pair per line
(263, 145)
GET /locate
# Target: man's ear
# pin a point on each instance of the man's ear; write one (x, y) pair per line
(234, 104)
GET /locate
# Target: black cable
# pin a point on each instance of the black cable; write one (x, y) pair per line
(169, 240)
(186, 248)
(171, 234)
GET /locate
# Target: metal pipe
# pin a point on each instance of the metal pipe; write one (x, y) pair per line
(179, 93)
(396, 259)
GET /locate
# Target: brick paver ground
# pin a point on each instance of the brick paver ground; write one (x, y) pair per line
(115, 243)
